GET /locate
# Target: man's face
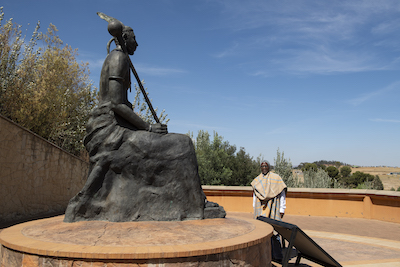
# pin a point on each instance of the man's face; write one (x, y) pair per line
(130, 41)
(264, 168)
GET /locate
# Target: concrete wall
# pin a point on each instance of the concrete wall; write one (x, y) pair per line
(351, 203)
(37, 178)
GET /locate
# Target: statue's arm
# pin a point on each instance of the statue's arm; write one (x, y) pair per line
(127, 113)
(116, 88)
(119, 72)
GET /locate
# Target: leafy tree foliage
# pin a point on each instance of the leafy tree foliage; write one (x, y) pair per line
(358, 178)
(363, 180)
(345, 171)
(309, 166)
(212, 159)
(316, 179)
(44, 89)
(283, 167)
(219, 164)
(335, 163)
(244, 168)
(377, 183)
(333, 172)
(322, 164)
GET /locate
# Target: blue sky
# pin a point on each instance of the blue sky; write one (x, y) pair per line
(317, 79)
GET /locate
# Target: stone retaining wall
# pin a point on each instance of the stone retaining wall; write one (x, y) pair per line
(37, 178)
(348, 203)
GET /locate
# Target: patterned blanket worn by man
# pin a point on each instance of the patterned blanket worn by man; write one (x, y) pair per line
(269, 194)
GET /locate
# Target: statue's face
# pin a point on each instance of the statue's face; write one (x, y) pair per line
(264, 168)
(130, 41)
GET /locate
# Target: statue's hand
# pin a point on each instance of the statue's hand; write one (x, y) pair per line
(158, 128)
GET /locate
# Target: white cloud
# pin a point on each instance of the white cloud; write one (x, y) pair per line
(313, 36)
(365, 97)
(228, 52)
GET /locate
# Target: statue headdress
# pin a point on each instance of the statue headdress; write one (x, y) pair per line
(115, 28)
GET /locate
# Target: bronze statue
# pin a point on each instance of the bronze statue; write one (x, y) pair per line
(138, 172)
(115, 76)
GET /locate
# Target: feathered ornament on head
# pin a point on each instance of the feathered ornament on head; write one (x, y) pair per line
(115, 28)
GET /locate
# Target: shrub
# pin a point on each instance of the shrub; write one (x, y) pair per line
(317, 179)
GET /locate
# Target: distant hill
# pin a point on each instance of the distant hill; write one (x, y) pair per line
(331, 162)
(325, 163)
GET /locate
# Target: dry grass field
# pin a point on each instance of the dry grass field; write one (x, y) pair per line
(389, 181)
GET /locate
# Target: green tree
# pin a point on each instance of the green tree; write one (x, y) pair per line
(345, 171)
(361, 180)
(308, 166)
(283, 167)
(44, 88)
(244, 168)
(219, 164)
(333, 172)
(377, 183)
(316, 179)
(338, 164)
(212, 158)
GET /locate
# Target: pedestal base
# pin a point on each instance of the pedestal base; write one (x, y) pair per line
(213, 242)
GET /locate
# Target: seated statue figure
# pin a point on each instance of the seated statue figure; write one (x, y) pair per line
(138, 172)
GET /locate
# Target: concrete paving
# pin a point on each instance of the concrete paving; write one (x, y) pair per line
(351, 242)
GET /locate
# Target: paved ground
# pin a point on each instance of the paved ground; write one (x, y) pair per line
(351, 242)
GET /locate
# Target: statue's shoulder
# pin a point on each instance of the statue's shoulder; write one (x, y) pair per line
(117, 60)
(117, 53)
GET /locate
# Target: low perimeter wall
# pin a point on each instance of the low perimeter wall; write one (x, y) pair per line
(37, 178)
(351, 203)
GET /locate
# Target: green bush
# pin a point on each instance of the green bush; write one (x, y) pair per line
(283, 167)
(317, 179)
(345, 171)
(333, 172)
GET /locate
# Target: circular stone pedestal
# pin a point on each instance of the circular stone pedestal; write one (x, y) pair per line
(213, 242)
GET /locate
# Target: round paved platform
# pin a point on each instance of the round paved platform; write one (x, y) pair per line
(350, 241)
(233, 239)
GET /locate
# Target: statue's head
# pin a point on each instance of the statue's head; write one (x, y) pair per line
(264, 167)
(120, 31)
(130, 40)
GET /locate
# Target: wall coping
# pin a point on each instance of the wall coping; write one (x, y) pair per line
(309, 190)
(43, 139)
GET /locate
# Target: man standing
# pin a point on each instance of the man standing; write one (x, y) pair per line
(269, 194)
(269, 200)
